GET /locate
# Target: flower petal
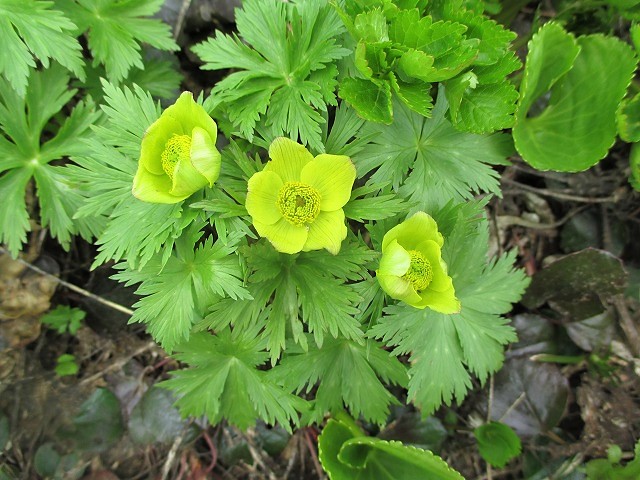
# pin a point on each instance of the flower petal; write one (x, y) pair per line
(205, 158)
(190, 114)
(395, 260)
(333, 177)
(262, 197)
(186, 179)
(440, 281)
(154, 142)
(153, 188)
(328, 231)
(284, 237)
(413, 231)
(443, 302)
(398, 288)
(287, 159)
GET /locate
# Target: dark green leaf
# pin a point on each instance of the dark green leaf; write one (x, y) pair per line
(98, 424)
(372, 101)
(497, 443)
(154, 419)
(544, 391)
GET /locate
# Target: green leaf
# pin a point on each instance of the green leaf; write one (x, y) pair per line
(346, 374)
(498, 443)
(373, 207)
(24, 120)
(160, 77)
(64, 318)
(346, 454)
(175, 292)
(628, 118)
(446, 348)
(30, 28)
(224, 381)
(428, 161)
(587, 82)
(14, 217)
(371, 26)
(372, 101)
(66, 365)
(284, 74)
(487, 108)
(416, 96)
(116, 29)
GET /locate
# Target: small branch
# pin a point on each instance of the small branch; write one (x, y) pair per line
(490, 403)
(255, 455)
(181, 16)
(314, 456)
(172, 453)
(71, 286)
(506, 220)
(563, 196)
(118, 363)
(627, 324)
(517, 402)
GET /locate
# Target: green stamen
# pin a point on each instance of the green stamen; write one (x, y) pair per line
(420, 272)
(298, 203)
(177, 148)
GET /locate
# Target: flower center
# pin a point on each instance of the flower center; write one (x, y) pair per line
(298, 203)
(420, 272)
(177, 148)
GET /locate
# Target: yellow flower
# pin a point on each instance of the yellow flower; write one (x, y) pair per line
(178, 155)
(296, 200)
(412, 269)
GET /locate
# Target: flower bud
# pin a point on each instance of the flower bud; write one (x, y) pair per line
(178, 154)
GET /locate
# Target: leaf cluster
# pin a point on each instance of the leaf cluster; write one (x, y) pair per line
(284, 68)
(35, 137)
(446, 349)
(404, 48)
(115, 31)
(32, 30)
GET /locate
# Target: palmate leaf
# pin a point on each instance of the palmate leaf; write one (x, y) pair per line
(160, 78)
(428, 161)
(446, 349)
(285, 78)
(347, 374)
(31, 28)
(23, 119)
(223, 381)
(116, 29)
(176, 290)
(104, 174)
(303, 292)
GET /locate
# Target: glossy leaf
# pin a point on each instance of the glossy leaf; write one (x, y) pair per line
(587, 78)
(347, 454)
(497, 443)
(371, 100)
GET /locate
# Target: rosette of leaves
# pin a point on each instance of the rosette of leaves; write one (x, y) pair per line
(285, 72)
(404, 48)
(33, 138)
